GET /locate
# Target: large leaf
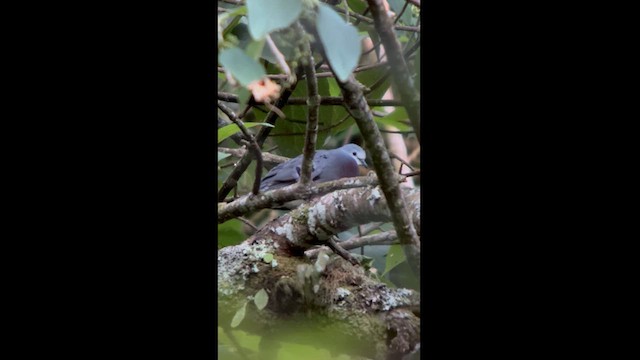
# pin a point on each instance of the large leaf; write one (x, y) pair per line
(239, 316)
(241, 66)
(228, 130)
(230, 233)
(357, 5)
(340, 40)
(222, 156)
(269, 15)
(394, 119)
(261, 299)
(395, 256)
(295, 123)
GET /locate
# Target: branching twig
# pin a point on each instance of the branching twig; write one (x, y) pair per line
(271, 117)
(255, 148)
(324, 100)
(267, 199)
(312, 121)
(361, 112)
(266, 157)
(279, 58)
(401, 76)
(333, 245)
(385, 238)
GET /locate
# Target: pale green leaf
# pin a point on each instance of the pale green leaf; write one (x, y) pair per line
(228, 130)
(261, 299)
(242, 66)
(395, 256)
(340, 40)
(239, 316)
(266, 16)
(268, 258)
(222, 155)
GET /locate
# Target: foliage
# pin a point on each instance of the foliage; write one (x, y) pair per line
(265, 39)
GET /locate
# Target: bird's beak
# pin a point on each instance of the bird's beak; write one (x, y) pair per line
(363, 163)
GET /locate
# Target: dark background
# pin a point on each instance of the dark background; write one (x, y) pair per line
(117, 164)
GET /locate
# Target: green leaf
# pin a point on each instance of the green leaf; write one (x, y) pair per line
(244, 68)
(394, 119)
(340, 40)
(321, 263)
(222, 155)
(266, 16)
(230, 233)
(268, 258)
(395, 256)
(296, 121)
(228, 130)
(261, 299)
(239, 316)
(254, 48)
(357, 5)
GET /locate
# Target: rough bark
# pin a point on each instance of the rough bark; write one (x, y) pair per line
(366, 317)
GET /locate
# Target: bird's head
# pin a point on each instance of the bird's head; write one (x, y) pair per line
(357, 152)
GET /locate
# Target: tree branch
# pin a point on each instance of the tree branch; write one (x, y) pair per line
(401, 75)
(360, 111)
(243, 164)
(252, 141)
(385, 238)
(324, 100)
(312, 121)
(249, 203)
(268, 158)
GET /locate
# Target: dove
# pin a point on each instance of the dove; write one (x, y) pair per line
(328, 165)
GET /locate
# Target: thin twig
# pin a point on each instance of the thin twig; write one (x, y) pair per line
(385, 238)
(255, 148)
(249, 203)
(401, 75)
(394, 156)
(401, 12)
(266, 157)
(385, 170)
(324, 100)
(271, 117)
(248, 223)
(333, 245)
(312, 121)
(282, 63)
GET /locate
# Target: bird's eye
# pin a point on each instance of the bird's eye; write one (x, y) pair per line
(354, 154)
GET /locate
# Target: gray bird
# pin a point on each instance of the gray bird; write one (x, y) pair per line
(327, 165)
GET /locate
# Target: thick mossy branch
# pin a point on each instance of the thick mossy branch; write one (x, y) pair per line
(315, 222)
(250, 203)
(366, 317)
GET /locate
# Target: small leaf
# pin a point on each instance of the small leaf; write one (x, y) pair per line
(222, 155)
(321, 263)
(254, 48)
(340, 40)
(267, 258)
(394, 119)
(242, 66)
(230, 232)
(395, 256)
(266, 16)
(228, 130)
(239, 316)
(261, 299)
